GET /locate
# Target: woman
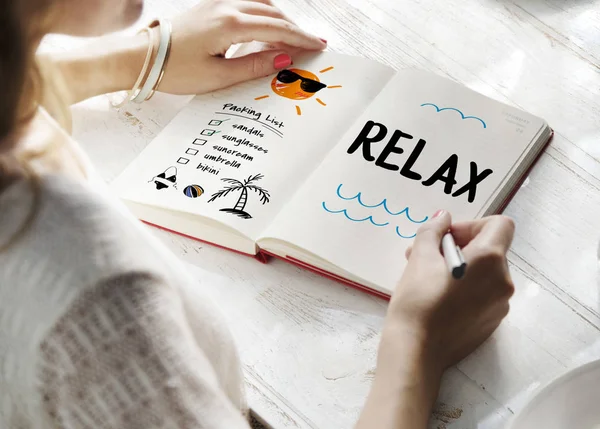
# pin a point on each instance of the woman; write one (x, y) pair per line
(99, 324)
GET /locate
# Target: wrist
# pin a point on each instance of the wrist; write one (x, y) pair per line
(407, 359)
(406, 383)
(126, 63)
(414, 342)
(111, 64)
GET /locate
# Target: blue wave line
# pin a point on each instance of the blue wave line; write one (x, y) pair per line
(382, 203)
(456, 110)
(369, 218)
(404, 236)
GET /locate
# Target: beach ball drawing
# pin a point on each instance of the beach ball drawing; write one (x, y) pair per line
(193, 191)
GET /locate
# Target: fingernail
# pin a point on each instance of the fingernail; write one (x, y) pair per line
(323, 40)
(438, 214)
(281, 61)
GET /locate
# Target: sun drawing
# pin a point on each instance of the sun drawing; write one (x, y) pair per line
(297, 84)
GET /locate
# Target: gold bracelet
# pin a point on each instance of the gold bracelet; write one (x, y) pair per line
(162, 71)
(143, 73)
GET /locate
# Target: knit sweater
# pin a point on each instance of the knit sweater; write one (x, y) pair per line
(100, 325)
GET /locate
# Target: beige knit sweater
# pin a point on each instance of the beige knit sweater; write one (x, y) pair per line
(101, 327)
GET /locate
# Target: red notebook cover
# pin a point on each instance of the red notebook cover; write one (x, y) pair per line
(263, 255)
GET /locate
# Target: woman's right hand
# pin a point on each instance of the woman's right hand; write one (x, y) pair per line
(448, 317)
(434, 321)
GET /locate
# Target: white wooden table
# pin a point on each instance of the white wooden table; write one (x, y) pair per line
(308, 344)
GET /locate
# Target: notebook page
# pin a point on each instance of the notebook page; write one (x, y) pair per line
(238, 154)
(433, 145)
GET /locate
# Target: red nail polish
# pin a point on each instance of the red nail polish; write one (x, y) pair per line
(323, 40)
(438, 213)
(281, 61)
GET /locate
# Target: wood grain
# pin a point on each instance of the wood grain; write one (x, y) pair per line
(308, 344)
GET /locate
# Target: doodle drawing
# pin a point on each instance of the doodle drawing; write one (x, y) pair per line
(242, 187)
(166, 179)
(193, 191)
(358, 198)
(383, 203)
(297, 84)
(345, 213)
(404, 236)
(462, 115)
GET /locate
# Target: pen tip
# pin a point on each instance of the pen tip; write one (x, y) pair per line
(459, 272)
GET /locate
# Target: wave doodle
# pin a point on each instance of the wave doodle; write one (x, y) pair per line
(383, 203)
(462, 115)
(369, 218)
(404, 236)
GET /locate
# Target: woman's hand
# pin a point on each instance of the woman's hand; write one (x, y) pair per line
(434, 321)
(452, 317)
(196, 65)
(202, 35)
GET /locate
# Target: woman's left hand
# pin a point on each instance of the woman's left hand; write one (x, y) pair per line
(202, 36)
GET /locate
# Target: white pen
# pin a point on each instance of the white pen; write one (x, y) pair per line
(454, 257)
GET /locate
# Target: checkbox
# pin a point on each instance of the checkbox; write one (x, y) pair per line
(191, 151)
(215, 122)
(199, 142)
(208, 132)
(183, 161)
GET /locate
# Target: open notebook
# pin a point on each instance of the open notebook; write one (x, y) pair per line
(333, 164)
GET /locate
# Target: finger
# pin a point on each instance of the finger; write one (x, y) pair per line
(464, 232)
(253, 66)
(429, 236)
(495, 232)
(408, 252)
(274, 30)
(252, 47)
(290, 50)
(261, 9)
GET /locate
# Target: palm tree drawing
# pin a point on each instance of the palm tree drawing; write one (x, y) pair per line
(244, 187)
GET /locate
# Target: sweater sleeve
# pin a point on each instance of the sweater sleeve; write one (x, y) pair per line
(123, 357)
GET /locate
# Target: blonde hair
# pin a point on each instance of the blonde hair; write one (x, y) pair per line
(24, 87)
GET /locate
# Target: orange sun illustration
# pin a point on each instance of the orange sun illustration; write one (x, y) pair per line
(297, 84)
